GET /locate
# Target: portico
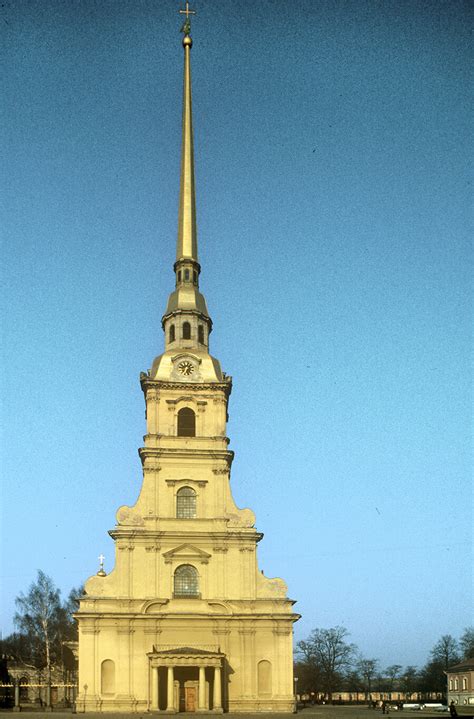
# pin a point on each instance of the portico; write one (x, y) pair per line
(186, 679)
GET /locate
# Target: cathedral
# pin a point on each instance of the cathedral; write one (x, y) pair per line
(185, 621)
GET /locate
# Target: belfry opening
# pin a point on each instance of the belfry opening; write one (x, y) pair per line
(185, 621)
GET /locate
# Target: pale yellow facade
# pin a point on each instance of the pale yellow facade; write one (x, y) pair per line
(186, 621)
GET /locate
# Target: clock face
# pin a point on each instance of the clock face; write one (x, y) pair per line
(186, 368)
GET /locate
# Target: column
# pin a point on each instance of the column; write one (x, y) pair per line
(17, 707)
(217, 699)
(154, 688)
(170, 698)
(48, 706)
(202, 688)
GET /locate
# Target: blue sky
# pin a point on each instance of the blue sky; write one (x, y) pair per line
(333, 194)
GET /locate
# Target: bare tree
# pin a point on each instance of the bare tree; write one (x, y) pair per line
(368, 671)
(409, 680)
(445, 651)
(466, 643)
(392, 673)
(39, 616)
(328, 652)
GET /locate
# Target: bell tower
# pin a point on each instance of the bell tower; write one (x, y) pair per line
(185, 621)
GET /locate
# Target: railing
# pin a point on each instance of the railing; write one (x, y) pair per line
(68, 698)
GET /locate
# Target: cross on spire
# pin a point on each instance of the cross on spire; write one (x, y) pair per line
(101, 560)
(187, 11)
(186, 28)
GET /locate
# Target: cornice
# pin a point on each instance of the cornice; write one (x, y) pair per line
(148, 383)
(183, 453)
(144, 535)
(231, 618)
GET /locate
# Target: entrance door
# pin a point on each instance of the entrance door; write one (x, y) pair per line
(190, 699)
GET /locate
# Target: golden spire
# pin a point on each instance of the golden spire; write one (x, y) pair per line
(186, 296)
(187, 233)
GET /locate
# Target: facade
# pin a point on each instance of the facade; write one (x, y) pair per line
(461, 683)
(185, 621)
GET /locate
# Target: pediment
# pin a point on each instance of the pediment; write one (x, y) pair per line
(186, 552)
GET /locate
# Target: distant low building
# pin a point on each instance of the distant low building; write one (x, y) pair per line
(461, 683)
(345, 697)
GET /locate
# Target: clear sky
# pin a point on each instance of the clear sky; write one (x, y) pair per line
(332, 189)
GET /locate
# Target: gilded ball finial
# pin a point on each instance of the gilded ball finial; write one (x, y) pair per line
(187, 41)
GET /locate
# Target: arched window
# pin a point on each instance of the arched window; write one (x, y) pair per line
(201, 334)
(456, 684)
(179, 275)
(186, 503)
(186, 582)
(450, 685)
(264, 678)
(172, 333)
(186, 275)
(186, 331)
(186, 422)
(464, 684)
(107, 677)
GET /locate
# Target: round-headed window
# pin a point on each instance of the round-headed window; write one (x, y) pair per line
(186, 422)
(186, 503)
(186, 581)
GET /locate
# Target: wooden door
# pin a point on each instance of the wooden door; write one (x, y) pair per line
(190, 699)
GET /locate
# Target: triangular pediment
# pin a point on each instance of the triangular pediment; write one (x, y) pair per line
(187, 552)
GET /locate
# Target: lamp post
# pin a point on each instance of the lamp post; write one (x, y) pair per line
(295, 680)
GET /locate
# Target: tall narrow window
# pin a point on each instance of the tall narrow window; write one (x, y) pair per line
(186, 583)
(186, 275)
(195, 277)
(186, 331)
(179, 275)
(186, 503)
(464, 684)
(172, 333)
(186, 422)
(201, 334)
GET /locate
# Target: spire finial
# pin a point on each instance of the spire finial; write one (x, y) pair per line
(186, 28)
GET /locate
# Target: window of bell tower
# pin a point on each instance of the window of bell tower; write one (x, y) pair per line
(201, 334)
(172, 333)
(186, 331)
(186, 503)
(186, 422)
